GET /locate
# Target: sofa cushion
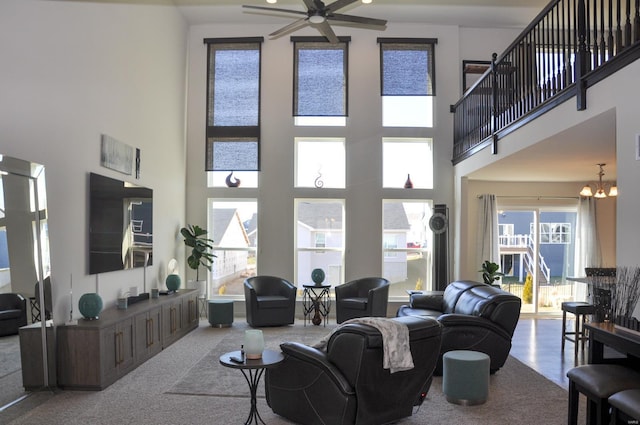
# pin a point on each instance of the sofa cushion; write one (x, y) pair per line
(354, 303)
(273, 301)
(10, 314)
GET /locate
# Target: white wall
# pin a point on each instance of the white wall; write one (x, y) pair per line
(72, 71)
(363, 194)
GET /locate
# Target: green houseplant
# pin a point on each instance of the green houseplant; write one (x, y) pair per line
(195, 238)
(490, 272)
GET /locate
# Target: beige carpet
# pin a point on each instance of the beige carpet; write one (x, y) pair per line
(175, 387)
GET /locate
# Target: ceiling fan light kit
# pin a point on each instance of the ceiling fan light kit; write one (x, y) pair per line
(320, 16)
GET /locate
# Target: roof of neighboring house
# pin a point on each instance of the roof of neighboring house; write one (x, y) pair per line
(222, 219)
(321, 215)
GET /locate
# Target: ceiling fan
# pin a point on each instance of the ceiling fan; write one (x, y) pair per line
(319, 15)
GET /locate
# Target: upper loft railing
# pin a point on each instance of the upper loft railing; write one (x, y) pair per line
(571, 45)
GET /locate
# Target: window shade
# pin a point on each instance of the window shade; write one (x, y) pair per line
(407, 67)
(233, 104)
(320, 80)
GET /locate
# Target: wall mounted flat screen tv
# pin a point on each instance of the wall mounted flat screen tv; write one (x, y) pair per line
(120, 225)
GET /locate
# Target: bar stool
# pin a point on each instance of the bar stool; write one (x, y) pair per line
(598, 382)
(625, 407)
(580, 309)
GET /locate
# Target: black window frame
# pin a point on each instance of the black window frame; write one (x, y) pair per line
(232, 134)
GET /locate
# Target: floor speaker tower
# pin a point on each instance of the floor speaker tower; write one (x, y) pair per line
(439, 224)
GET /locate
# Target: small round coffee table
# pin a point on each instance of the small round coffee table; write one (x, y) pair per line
(255, 369)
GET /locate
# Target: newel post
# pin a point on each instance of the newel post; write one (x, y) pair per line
(581, 58)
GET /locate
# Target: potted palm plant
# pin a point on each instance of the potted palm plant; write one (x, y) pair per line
(195, 238)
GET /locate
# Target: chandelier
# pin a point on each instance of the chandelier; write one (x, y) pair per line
(600, 190)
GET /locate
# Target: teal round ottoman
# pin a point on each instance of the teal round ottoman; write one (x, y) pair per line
(220, 313)
(465, 377)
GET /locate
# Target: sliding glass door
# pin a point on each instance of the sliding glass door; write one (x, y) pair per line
(537, 252)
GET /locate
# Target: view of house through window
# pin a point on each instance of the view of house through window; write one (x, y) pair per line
(540, 280)
(319, 239)
(407, 246)
(234, 227)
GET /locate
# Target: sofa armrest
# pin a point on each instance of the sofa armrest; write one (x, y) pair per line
(427, 302)
(318, 359)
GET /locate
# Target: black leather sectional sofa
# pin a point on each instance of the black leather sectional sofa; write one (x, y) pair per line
(474, 316)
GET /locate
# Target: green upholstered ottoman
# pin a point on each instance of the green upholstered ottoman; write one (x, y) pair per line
(465, 377)
(221, 313)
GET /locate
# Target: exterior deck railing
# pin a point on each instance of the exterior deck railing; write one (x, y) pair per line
(571, 45)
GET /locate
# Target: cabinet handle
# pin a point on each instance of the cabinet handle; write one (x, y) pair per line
(150, 339)
(191, 315)
(172, 319)
(119, 339)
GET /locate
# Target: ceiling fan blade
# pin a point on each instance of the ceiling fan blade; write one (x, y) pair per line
(313, 5)
(339, 4)
(325, 29)
(290, 28)
(357, 20)
(274, 9)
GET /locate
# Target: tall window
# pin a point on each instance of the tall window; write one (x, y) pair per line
(234, 230)
(407, 242)
(233, 105)
(320, 81)
(407, 81)
(320, 239)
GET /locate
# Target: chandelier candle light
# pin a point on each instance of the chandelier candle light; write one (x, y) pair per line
(600, 189)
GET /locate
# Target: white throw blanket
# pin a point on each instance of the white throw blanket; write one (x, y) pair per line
(395, 341)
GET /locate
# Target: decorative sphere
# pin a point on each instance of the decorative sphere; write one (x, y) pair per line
(317, 275)
(173, 282)
(90, 305)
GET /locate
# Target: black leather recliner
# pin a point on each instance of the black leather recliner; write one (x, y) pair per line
(365, 297)
(270, 301)
(474, 316)
(13, 313)
(347, 384)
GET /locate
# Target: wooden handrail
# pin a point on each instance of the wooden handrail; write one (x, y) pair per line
(567, 48)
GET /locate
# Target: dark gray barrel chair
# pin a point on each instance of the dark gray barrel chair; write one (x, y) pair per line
(365, 297)
(13, 313)
(270, 301)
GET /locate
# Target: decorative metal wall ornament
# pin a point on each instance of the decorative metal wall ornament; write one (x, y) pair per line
(318, 181)
(234, 183)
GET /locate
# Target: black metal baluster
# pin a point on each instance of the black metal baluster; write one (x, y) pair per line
(627, 28)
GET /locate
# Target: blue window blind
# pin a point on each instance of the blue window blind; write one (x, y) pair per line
(320, 80)
(233, 104)
(407, 67)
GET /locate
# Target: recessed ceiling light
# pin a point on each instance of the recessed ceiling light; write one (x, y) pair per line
(366, 1)
(272, 1)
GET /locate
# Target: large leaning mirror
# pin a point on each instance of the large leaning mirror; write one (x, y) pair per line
(25, 284)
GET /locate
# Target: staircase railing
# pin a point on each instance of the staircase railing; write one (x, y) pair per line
(570, 45)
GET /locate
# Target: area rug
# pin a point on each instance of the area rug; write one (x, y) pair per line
(209, 377)
(517, 394)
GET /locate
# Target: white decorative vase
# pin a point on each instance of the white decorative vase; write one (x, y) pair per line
(253, 344)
